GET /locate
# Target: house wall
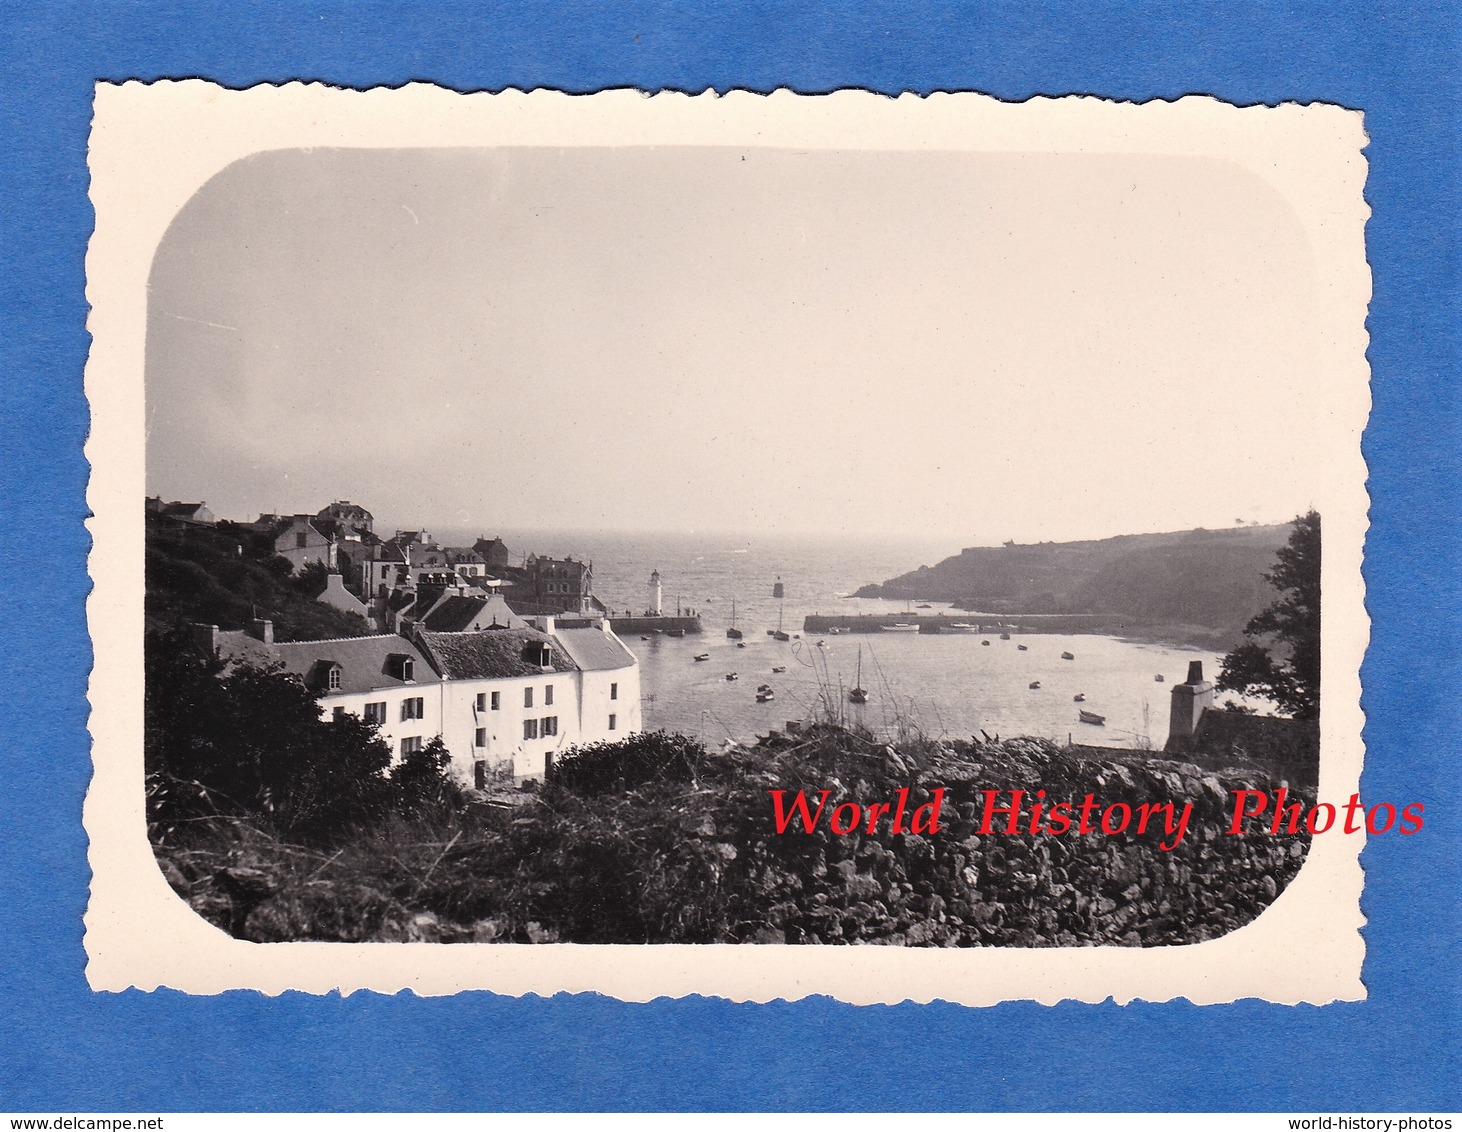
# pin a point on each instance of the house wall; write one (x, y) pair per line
(504, 727)
(613, 692)
(394, 729)
(317, 547)
(341, 598)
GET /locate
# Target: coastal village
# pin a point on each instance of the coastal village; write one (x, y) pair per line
(458, 753)
(512, 663)
(508, 663)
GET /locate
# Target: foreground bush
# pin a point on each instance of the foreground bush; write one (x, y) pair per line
(689, 856)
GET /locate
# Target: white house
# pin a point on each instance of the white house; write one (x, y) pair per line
(516, 697)
(505, 701)
(385, 679)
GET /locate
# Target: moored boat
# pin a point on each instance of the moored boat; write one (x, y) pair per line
(1159, 677)
(732, 676)
(779, 668)
(1005, 636)
(1079, 698)
(1023, 648)
(858, 694)
(1068, 656)
(900, 627)
(1092, 717)
(702, 656)
(963, 627)
(1035, 685)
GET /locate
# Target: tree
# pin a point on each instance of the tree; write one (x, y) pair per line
(423, 780)
(1282, 661)
(249, 740)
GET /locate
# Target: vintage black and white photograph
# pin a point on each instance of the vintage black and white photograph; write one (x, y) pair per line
(716, 543)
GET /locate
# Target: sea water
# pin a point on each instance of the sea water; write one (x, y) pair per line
(944, 684)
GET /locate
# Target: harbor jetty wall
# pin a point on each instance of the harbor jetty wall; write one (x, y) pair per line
(984, 622)
(623, 625)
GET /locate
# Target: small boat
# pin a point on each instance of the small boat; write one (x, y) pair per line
(1022, 648)
(822, 644)
(732, 676)
(985, 643)
(1068, 656)
(1092, 717)
(1079, 698)
(963, 627)
(763, 687)
(1005, 636)
(900, 627)
(702, 656)
(780, 668)
(1158, 678)
(858, 694)
(836, 629)
(733, 633)
(924, 605)
(1035, 685)
(765, 697)
(781, 636)
(741, 644)
(675, 632)
(644, 638)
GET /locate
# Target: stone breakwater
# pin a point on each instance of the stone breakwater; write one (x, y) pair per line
(684, 851)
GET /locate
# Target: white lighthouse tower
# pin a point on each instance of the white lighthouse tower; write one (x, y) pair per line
(654, 606)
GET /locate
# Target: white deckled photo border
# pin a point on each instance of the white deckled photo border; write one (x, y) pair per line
(154, 146)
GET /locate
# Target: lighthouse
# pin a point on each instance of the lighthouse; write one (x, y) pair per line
(653, 609)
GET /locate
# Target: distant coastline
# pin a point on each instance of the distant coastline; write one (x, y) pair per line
(1197, 587)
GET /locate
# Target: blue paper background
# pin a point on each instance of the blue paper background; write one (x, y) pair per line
(63, 1047)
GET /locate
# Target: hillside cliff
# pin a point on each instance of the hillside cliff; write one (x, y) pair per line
(1198, 585)
(218, 575)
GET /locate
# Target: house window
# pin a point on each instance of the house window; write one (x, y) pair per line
(301, 539)
(497, 701)
(527, 697)
(548, 695)
(481, 740)
(530, 729)
(339, 714)
(614, 691)
(375, 713)
(549, 726)
(412, 707)
(408, 669)
(410, 745)
(332, 679)
(481, 702)
(613, 722)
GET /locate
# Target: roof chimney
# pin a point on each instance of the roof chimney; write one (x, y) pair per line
(1189, 701)
(263, 629)
(205, 637)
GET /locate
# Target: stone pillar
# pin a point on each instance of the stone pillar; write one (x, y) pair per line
(1190, 700)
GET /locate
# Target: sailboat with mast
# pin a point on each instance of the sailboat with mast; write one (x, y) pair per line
(857, 694)
(733, 633)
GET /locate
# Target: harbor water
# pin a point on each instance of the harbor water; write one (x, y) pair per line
(944, 684)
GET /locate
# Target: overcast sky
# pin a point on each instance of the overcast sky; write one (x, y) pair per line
(983, 346)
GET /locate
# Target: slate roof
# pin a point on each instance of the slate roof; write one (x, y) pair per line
(594, 650)
(492, 654)
(456, 613)
(366, 664)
